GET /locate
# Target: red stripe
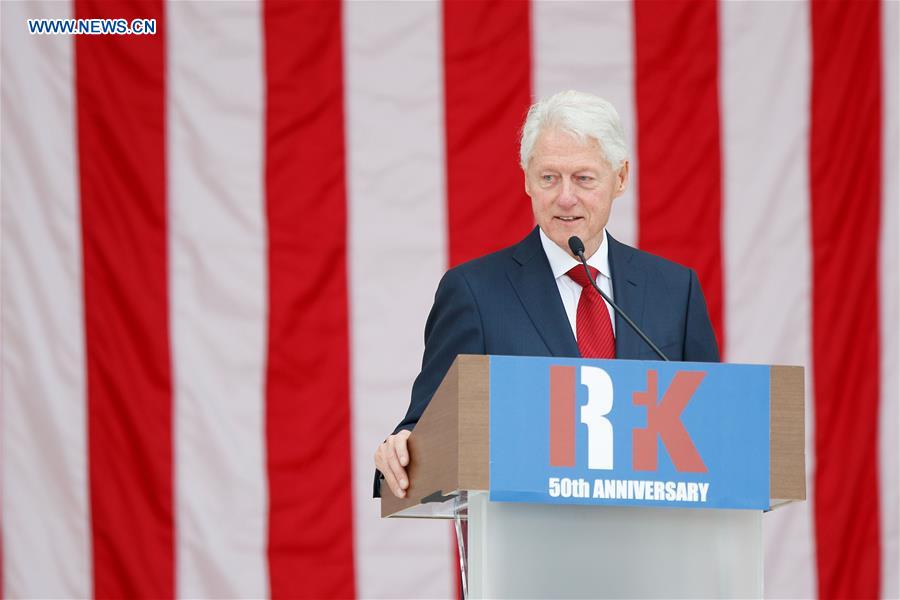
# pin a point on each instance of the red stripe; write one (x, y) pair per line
(121, 151)
(677, 98)
(845, 185)
(562, 416)
(310, 547)
(487, 91)
(487, 88)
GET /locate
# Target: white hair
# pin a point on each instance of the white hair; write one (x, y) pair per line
(580, 114)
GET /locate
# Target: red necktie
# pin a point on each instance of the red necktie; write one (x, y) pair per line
(592, 323)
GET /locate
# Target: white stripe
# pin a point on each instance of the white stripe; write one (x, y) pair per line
(397, 224)
(218, 295)
(588, 46)
(766, 231)
(43, 430)
(889, 447)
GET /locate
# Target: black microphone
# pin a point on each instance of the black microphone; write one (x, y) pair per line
(577, 248)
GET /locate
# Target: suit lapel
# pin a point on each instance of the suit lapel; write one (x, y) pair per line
(533, 282)
(628, 292)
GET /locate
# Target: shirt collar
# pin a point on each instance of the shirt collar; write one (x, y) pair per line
(561, 261)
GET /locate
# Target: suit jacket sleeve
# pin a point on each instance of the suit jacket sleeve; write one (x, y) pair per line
(699, 339)
(453, 327)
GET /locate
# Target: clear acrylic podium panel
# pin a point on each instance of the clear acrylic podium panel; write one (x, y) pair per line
(513, 550)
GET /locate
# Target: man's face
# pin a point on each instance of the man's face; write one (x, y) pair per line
(572, 187)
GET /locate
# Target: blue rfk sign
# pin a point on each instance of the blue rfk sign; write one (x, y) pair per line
(693, 433)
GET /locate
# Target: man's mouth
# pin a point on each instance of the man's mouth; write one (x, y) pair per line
(568, 219)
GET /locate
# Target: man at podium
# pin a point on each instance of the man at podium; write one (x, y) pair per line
(535, 298)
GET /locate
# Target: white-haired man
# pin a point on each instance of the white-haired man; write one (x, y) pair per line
(530, 299)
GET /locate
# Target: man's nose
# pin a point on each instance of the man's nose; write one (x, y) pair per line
(567, 197)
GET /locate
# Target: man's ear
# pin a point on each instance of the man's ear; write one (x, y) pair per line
(622, 179)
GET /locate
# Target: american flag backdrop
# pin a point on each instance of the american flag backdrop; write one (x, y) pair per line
(220, 243)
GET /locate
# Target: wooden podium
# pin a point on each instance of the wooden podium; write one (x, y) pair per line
(540, 546)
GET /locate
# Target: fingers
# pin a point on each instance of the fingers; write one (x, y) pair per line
(401, 446)
(398, 474)
(391, 458)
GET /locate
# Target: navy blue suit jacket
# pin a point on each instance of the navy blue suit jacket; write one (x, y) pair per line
(508, 303)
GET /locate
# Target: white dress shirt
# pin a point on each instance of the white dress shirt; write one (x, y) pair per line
(560, 263)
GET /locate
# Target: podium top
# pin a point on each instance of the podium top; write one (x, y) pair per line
(450, 449)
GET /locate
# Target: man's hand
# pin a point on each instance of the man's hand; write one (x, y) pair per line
(390, 458)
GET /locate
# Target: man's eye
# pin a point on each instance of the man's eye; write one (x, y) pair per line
(585, 178)
(547, 178)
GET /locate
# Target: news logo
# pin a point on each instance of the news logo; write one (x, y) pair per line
(663, 419)
(91, 26)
